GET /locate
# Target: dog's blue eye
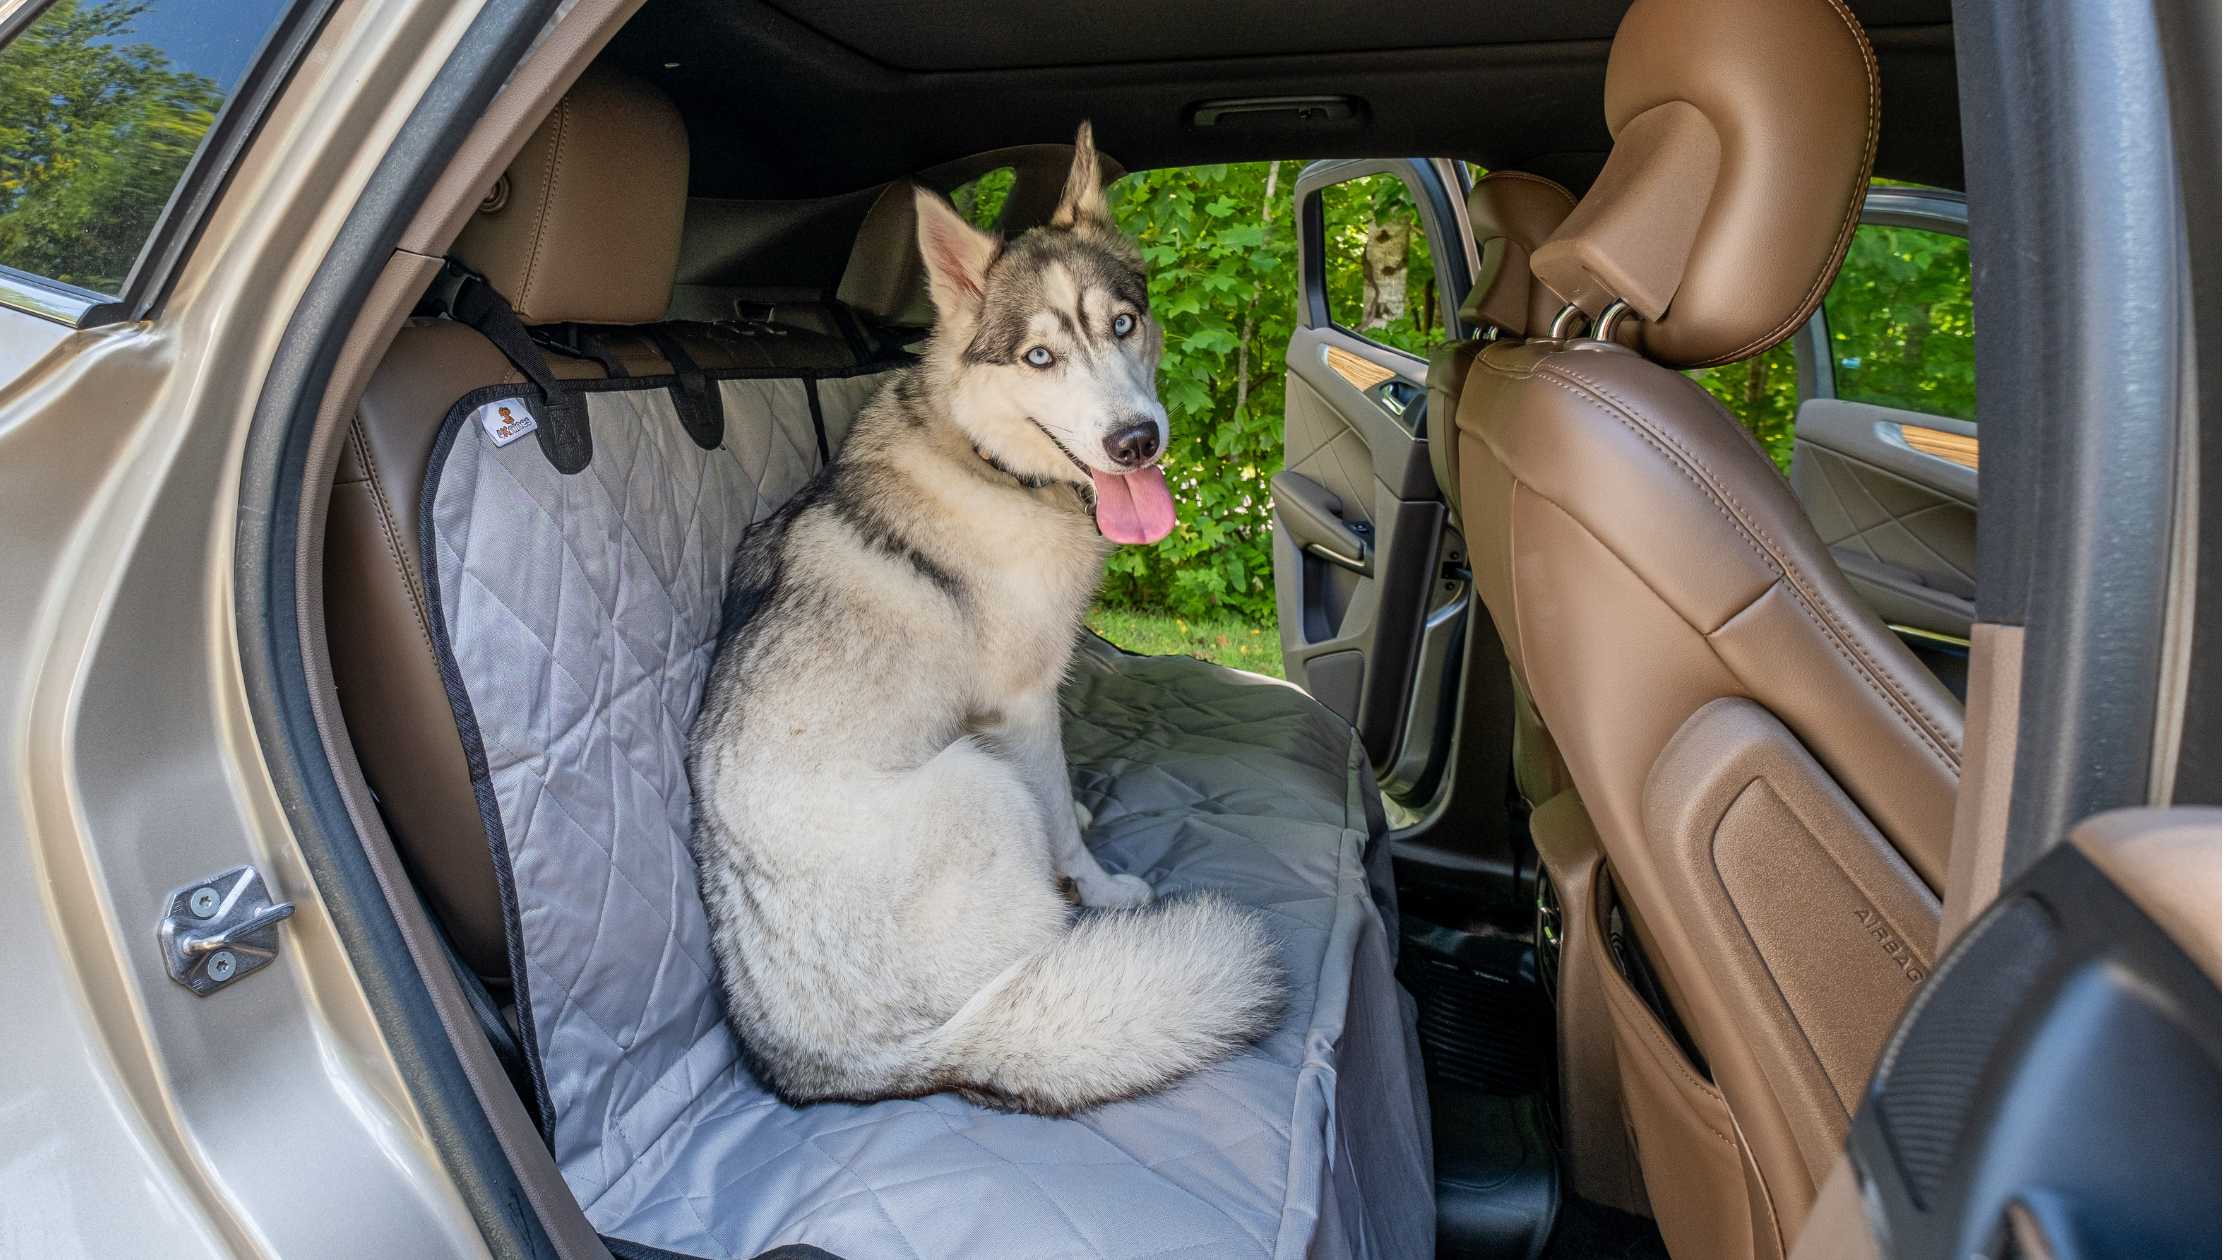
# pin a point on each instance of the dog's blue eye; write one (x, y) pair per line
(1123, 324)
(1040, 357)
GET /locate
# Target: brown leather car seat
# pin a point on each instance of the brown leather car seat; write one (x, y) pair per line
(1510, 213)
(1767, 775)
(583, 230)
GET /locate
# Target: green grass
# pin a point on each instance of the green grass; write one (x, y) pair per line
(1224, 641)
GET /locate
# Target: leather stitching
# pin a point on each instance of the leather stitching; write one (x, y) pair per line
(544, 205)
(1893, 694)
(1897, 520)
(1672, 452)
(1485, 363)
(1836, 251)
(1902, 478)
(391, 539)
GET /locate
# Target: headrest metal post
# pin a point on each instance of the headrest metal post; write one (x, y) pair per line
(1560, 327)
(1607, 322)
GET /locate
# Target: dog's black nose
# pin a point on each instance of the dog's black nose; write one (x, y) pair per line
(1134, 445)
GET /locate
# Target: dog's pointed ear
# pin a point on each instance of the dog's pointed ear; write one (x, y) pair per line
(1082, 203)
(957, 256)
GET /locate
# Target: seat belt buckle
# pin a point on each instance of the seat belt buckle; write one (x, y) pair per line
(449, 283)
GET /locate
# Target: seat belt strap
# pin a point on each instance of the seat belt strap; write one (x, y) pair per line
(563, 421)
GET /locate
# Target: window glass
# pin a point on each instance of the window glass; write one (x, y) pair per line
(981, 201)
(1901, 330)
(1901, 322)
(102, 105)
(1376, 264)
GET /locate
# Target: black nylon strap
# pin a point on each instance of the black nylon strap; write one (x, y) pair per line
(697, 404)
(563, 421)
(816, 420)
(578, 342)
(850, 331)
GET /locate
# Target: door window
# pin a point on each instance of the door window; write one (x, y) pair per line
(981, 201)
(1376, 265)
(103, 103)
(1901, 322)
(1900, 327)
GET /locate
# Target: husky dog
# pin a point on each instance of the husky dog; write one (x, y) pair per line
(884, 816)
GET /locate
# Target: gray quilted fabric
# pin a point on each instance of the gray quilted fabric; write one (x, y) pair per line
(580, 613)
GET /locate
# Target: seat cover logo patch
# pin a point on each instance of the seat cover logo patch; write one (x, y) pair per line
(506, 419)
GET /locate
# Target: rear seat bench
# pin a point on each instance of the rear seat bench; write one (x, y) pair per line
(519, 652)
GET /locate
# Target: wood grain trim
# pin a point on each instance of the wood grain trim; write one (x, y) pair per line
(1362, 374)
(1956, 448)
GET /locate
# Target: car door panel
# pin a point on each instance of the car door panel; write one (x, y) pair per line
(1358, 526)
(1316, 518)
(1888, 493)
(1360, 531)
(1328, 422)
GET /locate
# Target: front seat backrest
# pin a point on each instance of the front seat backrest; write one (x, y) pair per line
(1511, 213)
(1770, 773)
(885, 279)
(588, 219)
(586, 228)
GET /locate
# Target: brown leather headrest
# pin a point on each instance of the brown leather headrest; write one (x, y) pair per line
(1745, 133)
(1511, 214)
(585, 225)
(885, 278)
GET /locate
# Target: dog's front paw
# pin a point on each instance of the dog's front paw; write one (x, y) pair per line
(1114, 890)
(1082, 815)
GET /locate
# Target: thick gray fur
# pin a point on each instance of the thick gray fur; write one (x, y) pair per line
(883, 815)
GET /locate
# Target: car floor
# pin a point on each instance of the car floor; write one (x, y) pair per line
(1488, 1035)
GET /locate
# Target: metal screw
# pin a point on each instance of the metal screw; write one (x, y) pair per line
(204, 902)
(221, 966)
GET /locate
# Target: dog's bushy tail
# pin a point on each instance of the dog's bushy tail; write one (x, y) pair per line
(1126, 1002)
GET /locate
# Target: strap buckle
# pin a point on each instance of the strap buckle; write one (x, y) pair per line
(453, 280)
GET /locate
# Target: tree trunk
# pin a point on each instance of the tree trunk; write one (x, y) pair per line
(1384, 273)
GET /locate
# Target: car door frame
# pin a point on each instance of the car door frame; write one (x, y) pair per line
(1409, 625)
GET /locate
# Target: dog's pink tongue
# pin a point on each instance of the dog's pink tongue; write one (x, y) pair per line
(1135, 508)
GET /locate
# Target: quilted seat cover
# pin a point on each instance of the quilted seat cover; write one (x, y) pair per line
(577, 620)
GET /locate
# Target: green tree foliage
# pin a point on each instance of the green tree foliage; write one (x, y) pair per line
(1901, 326)
(1222, 247)
(1351, 213)
(1901, 319)
(94, 134)
(981, 201)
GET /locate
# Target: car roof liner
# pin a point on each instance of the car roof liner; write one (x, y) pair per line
(1506, 85)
